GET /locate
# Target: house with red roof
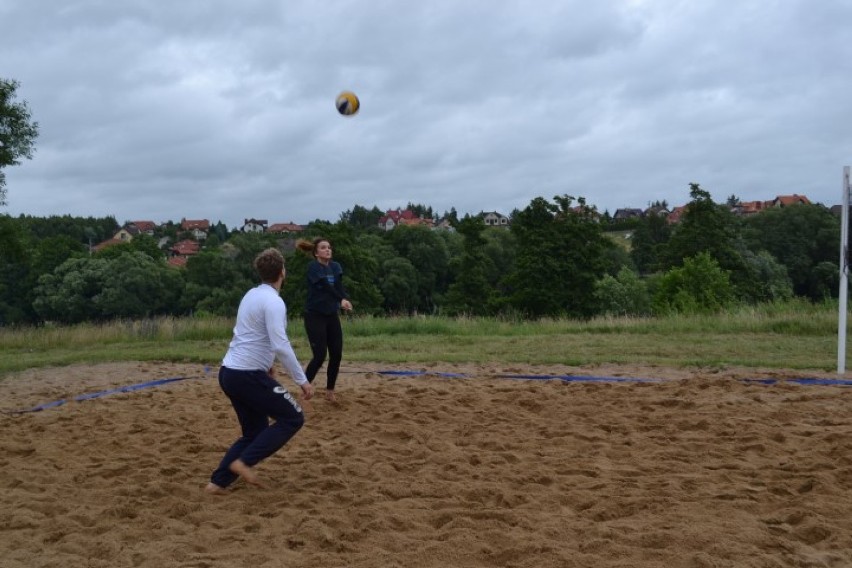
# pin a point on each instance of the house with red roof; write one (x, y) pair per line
(396, 217)
(285, 228)
(787, 200)
(199, 228)
(746, 208)
(676, 215)
(393, 217)
(418, 221)
(185, 247)
(108, 243)
(146, 227)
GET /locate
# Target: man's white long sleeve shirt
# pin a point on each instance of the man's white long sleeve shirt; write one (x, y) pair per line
(260, 335)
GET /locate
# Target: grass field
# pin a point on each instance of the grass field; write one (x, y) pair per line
(795, 335)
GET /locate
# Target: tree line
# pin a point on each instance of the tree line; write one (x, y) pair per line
(558, 258)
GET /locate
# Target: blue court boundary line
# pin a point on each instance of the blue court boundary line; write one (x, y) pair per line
(566, 378)
(99, 394)
(804, 381)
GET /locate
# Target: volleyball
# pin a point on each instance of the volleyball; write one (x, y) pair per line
(347, 103)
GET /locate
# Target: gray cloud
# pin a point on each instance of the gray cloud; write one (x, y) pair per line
(224, 110)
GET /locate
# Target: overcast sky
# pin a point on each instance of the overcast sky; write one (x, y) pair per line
(206, 109)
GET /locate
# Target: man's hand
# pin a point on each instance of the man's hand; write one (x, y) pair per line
(346, 305)
(308, 390)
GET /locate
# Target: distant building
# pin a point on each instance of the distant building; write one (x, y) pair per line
(394, 217)
(746, 208)
(628, 213)
(126, 234)
(199, 228)
(146, 227)
(417, 221)
(107, 243)
(285, 228)
(676, 215)
(445, 225)
(254, 226)
(495, 219)
(181, 251)
(659, 210)
(787, 200)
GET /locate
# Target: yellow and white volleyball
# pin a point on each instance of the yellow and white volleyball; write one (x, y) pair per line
(347, 103)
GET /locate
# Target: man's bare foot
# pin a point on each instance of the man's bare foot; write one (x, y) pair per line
(329, 396)
(240, 468)
(214, 489)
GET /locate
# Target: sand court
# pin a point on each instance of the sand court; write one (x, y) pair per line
(446, 466)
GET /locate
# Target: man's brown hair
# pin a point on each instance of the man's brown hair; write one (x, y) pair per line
(269, 264)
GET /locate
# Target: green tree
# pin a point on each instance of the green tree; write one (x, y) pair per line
(699, 286)
(244, 247)
(617, 257)
(649, 237)
(712, 228)
(294, 290)
(87, 230)
(767, 279)
(17, 131)
(148, 245)
(68, 295)
(14, 271)
(420, 210)
(825, 280)
(220, 230)
(623, 295)
(362, 218)
(452, 215)
(373, 248)
(471, 293)
(399, 285)
(501, 248)
(801, 237)
(45, 256)
(145, 244)
(13, 242)
(427, 253)
(170, 230)
(214, 284)
(132, 285)
(704, 227)
(561, 255)
(49, 253)
(136, 285)
(114, 250)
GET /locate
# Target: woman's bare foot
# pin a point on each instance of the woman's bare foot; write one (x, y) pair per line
(240, 468)
(214, 489)
(329, 396)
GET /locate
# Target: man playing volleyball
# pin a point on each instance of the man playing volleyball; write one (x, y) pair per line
(245, 376)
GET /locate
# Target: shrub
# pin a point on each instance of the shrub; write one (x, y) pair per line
(700, 286)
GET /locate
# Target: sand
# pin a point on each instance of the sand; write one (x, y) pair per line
(697, 469)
